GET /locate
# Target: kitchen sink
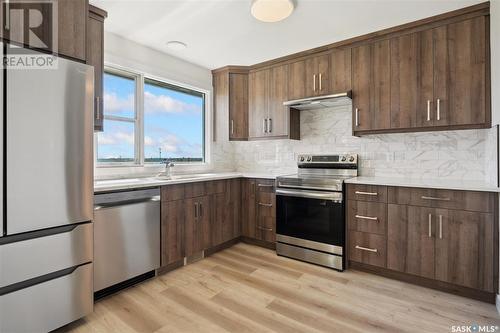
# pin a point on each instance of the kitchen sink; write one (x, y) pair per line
(182, 177)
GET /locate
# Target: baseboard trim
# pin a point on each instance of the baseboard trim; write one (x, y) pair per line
(258, 242)
(480, 295)
(220, 247)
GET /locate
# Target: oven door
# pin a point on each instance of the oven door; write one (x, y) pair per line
(311, 215)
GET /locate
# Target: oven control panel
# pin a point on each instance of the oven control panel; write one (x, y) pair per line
(305, 159)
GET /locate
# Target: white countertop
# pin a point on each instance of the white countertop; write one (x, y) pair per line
(138, 182)
(426, 183)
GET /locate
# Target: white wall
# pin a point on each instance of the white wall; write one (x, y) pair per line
(124, 53)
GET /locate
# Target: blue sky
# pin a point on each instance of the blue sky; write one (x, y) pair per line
(173, 121)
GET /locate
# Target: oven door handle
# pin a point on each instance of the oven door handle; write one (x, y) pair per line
(329, 196)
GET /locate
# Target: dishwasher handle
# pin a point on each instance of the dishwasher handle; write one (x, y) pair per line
(116, 199)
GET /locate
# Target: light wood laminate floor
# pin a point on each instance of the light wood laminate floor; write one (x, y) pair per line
(249, 289)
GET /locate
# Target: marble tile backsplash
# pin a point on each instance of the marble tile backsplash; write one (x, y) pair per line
(461, 155)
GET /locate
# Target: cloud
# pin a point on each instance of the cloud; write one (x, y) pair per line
(115, 104)
(166, 104)
(116, 138)
(173, 144)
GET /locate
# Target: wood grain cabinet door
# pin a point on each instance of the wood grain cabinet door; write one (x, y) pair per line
(238, 106)
(317, 76)
(258, 94)
(248, 206)
(95, 58)
(464, 249)
(278, 93)
(71, 26)
(297, 80)
(197, 224)
(412, 98)
(371, 86)
(340, 78)
(411, 240)
(460, 73)
(172, 231)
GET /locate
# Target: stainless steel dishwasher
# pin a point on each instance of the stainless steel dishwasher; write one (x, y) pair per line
(126, 237)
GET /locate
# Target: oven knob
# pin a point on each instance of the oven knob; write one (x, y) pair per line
(343, 159)
(351, 159)
(309, 158)
(302, 158)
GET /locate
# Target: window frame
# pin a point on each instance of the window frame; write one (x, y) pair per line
(140, 80)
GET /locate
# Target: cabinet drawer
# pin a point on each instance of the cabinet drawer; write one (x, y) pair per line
(367, 248)
(172, 192)
(449, 199)
(265, 185)
(372, 193)
(367, 216)
(197, 189)
(217, 186)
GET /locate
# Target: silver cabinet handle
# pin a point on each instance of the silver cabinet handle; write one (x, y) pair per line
(430, 225)
(438, 107)
(440, 226)
(264, 185)
(366, 249)
(356, 115)
(232, 126)
(314, 82)
(320, 81)
(270, 122)
(262, 228)
(362, 217)
(7, 15)
(200, 209)
(366, 193)
(265, 204)
(428, 110)
(98, 108)
(196, 210)
(435, 198)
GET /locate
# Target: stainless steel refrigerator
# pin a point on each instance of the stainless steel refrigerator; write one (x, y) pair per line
(46, 195)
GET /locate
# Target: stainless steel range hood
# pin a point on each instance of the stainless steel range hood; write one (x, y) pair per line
(320, 102)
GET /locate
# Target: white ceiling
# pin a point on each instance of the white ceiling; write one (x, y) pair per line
(223, 32)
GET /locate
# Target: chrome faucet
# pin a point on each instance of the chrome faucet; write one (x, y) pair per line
(168, 170)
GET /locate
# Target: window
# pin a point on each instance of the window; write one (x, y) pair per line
(148, 121)
(173, 123)
(117, 144)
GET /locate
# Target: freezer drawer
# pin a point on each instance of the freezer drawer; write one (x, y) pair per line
(126, 241)
(24, 260)
(49, 305)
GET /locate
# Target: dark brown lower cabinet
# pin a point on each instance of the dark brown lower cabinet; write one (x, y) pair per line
(248, 209)
(464, 249)
(259, 210)
(197, 225)
(198, 216)
(447, 245)
(172, 231)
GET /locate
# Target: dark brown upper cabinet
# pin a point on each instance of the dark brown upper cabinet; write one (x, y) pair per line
(71, 26)
(438, 80)
(231, 100)
(309, 77)
(371, 86)
(340, 77)
(95, 57)
(268, 117)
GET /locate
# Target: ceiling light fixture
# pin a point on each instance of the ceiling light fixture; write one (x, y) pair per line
(176, 45)
(272, 10)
